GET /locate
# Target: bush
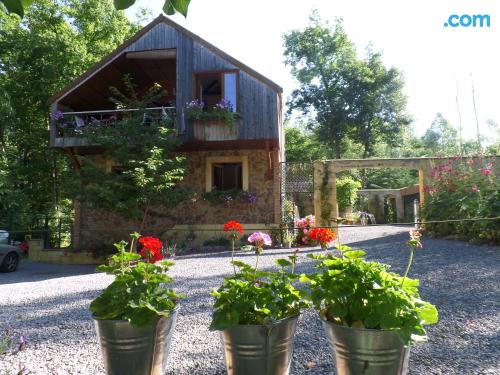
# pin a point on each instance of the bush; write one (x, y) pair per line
(347, 192)
(464, 190)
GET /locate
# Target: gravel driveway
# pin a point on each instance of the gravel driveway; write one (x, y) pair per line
(48, 304)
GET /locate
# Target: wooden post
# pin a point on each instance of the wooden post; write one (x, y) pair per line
(400, 208)
(276, 186)
(318, 181)
(52, 125)
(332, 187)
(421, 185)
(77, 226)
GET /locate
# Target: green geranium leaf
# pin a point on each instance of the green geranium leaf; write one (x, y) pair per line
(428, 313)
(283, 263)
(16, 6)
(354, 254)
(242, 265)
(172, 6)
(123, 4)
(340, 247)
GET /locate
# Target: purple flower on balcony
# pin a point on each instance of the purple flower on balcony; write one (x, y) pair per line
(224, 104)
(195, 104)
(57, 116)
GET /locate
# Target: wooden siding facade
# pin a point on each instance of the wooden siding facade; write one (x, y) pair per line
(259, 99)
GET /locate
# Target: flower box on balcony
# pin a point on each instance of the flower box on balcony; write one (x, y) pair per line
(214, 130)
(218, 124)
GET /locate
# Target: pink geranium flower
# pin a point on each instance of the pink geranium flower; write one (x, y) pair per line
(260, 239)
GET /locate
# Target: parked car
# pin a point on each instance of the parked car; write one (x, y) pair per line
(4, 237)
(9, 255)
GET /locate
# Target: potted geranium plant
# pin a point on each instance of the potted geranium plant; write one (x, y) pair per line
(371, 316)
(257, 314)
(135, 315)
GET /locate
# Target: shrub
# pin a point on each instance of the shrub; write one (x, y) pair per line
(347, 192)
(460, 189)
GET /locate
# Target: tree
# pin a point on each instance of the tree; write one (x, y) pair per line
(349, 98)
(56, 41)
(302, 145)
(322, 60)
(441, 138)
(380, 107)
(142, 148)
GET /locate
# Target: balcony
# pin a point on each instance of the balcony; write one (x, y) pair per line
(68, 129)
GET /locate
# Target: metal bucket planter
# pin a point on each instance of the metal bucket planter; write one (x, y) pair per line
(259, 349)
(367, 351)
(128, 350)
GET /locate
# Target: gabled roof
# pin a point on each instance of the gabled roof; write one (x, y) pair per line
(161, 19)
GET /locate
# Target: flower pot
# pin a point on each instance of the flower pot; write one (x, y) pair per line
(259, 349)
(128, 350)
(367, 351)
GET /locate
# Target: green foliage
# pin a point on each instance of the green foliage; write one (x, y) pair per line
(441, 137)
(255, 297)
(227, 197)
(464, 190)
(54, 43)
(349, 98)
(149, 170)
(137, 293)
(170, 7)
(353, 292)
(303, 145)
(347, 192)
(15, 6)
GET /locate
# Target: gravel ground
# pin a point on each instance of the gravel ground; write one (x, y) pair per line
(49, 305)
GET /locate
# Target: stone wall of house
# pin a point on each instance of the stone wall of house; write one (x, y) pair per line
(96, 228)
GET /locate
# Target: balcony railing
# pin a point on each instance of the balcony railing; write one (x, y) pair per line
(76, 124)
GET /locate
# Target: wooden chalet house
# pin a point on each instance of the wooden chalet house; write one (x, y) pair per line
(189, 68)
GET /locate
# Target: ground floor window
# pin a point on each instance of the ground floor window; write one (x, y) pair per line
(227, 176)
(226, 173)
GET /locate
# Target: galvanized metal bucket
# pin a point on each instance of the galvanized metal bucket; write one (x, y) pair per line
(128, 350)
(367, 351)
(259, 349)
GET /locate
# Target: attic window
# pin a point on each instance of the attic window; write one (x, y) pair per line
(211, 87)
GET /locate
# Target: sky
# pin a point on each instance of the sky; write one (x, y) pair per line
(437, 61)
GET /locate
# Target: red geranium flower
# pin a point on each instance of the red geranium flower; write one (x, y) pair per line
(322, 235)
(151, 249)
(233, 227)
(151, 243)
(152, 256)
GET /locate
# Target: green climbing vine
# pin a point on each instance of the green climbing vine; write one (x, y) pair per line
(326, 206)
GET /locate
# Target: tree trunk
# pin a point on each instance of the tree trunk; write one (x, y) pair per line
(336, 146)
